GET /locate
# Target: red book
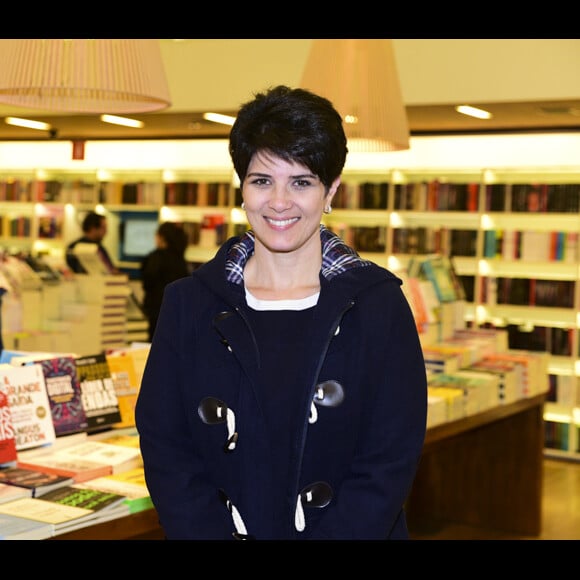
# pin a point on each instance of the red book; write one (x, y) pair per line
(77, 469)
(7, 432)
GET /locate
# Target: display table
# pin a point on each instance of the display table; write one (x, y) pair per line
(484, 471)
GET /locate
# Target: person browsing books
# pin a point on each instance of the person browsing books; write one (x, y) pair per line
(285, 394)
(94, 228)
(164, 264)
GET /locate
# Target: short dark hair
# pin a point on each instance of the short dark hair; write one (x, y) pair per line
(92, 221)
(293, 124)
(175, 237)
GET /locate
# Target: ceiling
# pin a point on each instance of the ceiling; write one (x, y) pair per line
(423, 120)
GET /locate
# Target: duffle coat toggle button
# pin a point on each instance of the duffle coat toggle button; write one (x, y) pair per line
(315, 495)
(326, 394)
(213, 411)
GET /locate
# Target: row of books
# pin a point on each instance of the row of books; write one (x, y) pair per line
(531, 246)
(116, 192)
(536, 197)
(436, 196)
(433, 195)
(442, 240)
(44, 396)
(528, 291)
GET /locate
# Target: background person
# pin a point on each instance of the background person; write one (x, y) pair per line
(164, 264)
(94, 228)
(285, 394)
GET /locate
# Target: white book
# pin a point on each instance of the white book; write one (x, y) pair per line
(119, 457)
(12, 492)
(29, 405)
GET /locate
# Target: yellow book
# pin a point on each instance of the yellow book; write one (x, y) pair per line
(126, 385)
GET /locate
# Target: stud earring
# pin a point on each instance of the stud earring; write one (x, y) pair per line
(328, 209)
(243, 206)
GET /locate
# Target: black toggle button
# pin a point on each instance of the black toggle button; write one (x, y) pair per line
(329, 394)
(318, 494)
(212, 411)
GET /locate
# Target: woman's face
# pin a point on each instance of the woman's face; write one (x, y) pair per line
(284, 202)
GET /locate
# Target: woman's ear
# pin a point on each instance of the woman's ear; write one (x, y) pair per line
(333, 189)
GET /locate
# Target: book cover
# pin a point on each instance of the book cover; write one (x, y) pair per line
(78, 469)
(126, 386)
(84, 497)
(49, 512)
(29, 405)
(35, 481)
(130, 483)
(128, 438)
(437, 269)
(98, 394)
(118, 458)
(64, 394)
(7, 433)
(13, 527)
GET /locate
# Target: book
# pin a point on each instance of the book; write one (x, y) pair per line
(35, 481)
(8, 452)
(10, 492)
(59, 443)
(49, 512)
(14, 527)
(533, 369)
(481, 393)
(438, 270)
(78, 469)
(118, 458)
(98, 395)
(454, 400)
(436, 410)
(64, 394)
(129, 437)
(126, 386)
(508, 374)
(95, 500)
(29, 405)
(130, 483)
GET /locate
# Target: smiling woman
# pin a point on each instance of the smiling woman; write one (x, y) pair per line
(268, 350)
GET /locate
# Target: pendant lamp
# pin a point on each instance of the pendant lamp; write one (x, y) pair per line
(111, 75)
(359, 77)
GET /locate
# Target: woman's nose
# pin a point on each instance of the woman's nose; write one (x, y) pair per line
(280, 199)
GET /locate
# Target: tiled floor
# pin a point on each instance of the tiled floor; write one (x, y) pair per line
(560, 510)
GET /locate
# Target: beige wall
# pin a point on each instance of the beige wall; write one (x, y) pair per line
(222, 73)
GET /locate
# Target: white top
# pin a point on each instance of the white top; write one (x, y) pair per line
(298, 304)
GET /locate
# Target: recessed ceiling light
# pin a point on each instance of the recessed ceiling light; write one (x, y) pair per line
(473, 112)
(125, 121)
(219, 118)
(28, 123)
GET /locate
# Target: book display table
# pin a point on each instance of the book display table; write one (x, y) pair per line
(484, 470)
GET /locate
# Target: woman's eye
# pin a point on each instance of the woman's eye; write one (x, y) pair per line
(302, 183)
(260, 181)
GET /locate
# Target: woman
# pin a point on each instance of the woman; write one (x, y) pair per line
(284, 396)
(164, 264)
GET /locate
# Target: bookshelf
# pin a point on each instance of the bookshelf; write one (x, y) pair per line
(471, 197)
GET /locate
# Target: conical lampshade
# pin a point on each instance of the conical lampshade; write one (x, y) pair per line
(360, 77)
(83, 75)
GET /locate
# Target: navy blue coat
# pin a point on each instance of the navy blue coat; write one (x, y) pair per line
(208, 460)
